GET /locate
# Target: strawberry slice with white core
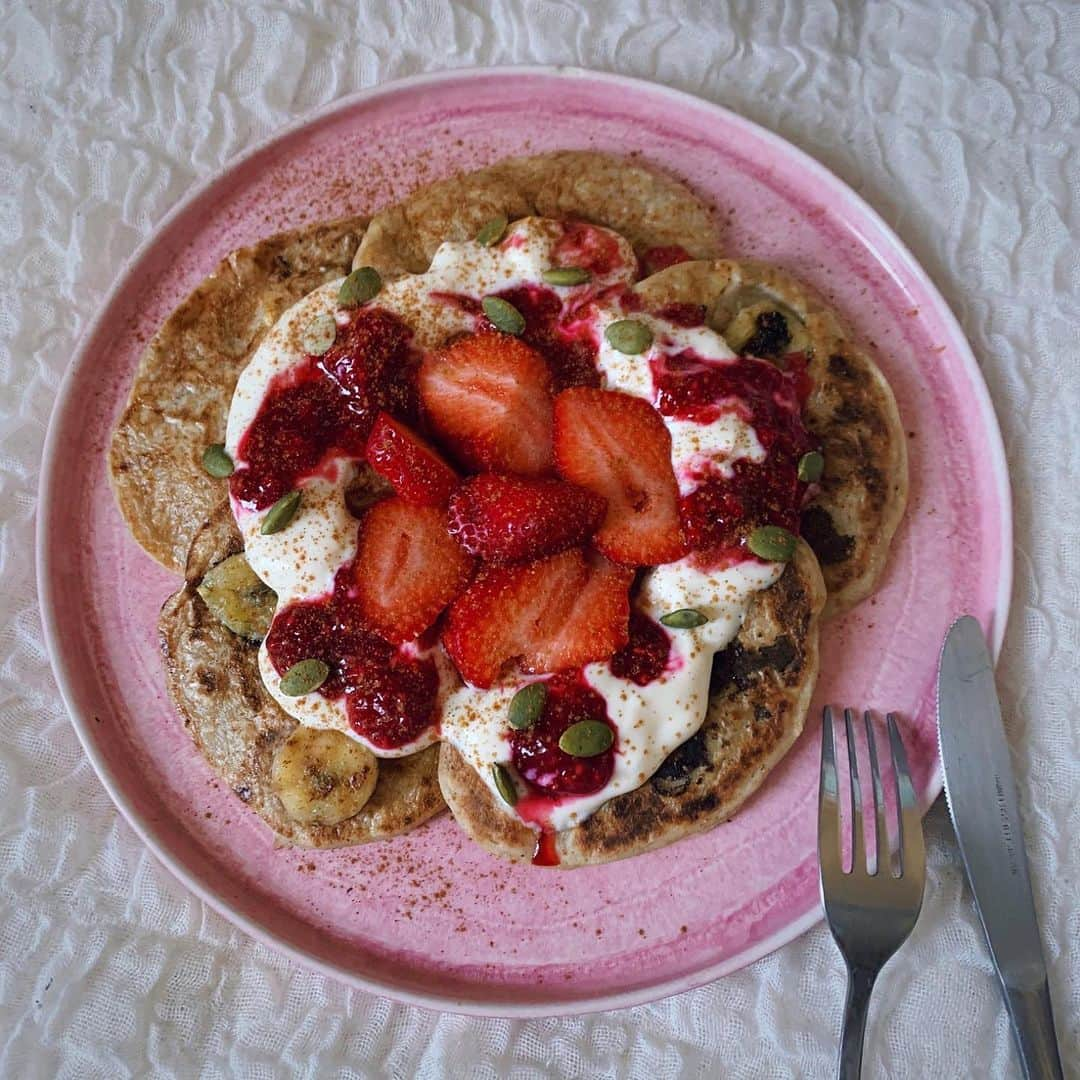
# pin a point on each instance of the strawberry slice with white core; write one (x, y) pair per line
(617, 446)
(488, 400)
(408, 568)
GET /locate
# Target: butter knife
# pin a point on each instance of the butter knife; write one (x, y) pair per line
(981, 794)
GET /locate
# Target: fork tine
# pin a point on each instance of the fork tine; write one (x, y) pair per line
(911, 845)
(828, 804)
(858, 842)
(881, 839)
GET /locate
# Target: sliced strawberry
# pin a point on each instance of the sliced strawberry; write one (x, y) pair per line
(408, 568)
(412, 465)
(509, 518)
(617, 446)
(597, 625)
(562, 611)
(488, 398)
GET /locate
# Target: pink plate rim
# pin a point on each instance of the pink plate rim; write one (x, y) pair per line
(886, 242)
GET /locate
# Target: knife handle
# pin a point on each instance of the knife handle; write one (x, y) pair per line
(1033, 1027)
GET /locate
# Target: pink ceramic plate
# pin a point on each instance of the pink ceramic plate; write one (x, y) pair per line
(431, 918)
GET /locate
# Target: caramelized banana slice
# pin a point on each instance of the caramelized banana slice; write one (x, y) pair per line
(766, 328)
(323, 777)
(238, 598)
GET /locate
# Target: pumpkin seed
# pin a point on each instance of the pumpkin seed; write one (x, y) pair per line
(504, 783)
(586, 738)
(567, 275)
(303, 677)
(281, 513)
(319, 334)
(503, 315)
(683, 619)
(359, 287)
(491, 232)
(629, 336)
(811, 466)
(216, 461)
(773, 543)
(527, 705)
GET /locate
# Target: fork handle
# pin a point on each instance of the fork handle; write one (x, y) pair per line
(856, 1008)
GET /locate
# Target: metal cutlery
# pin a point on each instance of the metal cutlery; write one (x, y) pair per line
(870, 913)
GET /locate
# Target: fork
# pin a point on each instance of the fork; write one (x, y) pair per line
(869, 913)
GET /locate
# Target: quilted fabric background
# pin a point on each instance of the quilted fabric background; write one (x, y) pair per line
(959, 122)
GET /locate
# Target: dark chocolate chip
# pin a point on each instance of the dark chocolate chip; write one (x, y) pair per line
(771, 338)
(735, 665)
(674, 775)
(818, 530)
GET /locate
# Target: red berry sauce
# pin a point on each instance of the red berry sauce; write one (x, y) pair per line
(645, 656)
(718, 516)
(547, 769)
(568, 345)
(325, 406)
(660, 258)
(389, 696)
(587, 246)
(688, 315)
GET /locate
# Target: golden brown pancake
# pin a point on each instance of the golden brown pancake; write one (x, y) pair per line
(762, 685)
(762, 682)
(180, 398)
(649, 207)
(214, 681)
(850, 522)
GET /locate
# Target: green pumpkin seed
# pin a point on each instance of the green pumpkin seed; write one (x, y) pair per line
(281, 513)
(586, 738)
(773, 543)
(629, 336)
(504, 783)
(359, 287)
(683, 619)
(811, 466)
(527, 705)
(491, 232)
(216, 461)
(319, 334)
(567, 275)
(503, 315)
(303, 677)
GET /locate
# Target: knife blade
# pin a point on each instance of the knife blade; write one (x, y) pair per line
(981, 794)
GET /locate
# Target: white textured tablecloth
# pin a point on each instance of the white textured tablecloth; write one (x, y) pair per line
(961, 126)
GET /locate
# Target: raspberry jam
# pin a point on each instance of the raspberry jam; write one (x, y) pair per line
(688, 315)
(645, 656)
(568, 347)
(660, 258)
(325, 406)
(535, 750)
(584, 245)
(720, 513)
(389, 696)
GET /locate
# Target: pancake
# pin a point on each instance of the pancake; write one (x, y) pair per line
(761, 689)
(649, 207)
(213, 679)
(850, 522)
(180, 397)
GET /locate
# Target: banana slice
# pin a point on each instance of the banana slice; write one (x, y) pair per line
(765, 328)
(322, 776)
(238, 598)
